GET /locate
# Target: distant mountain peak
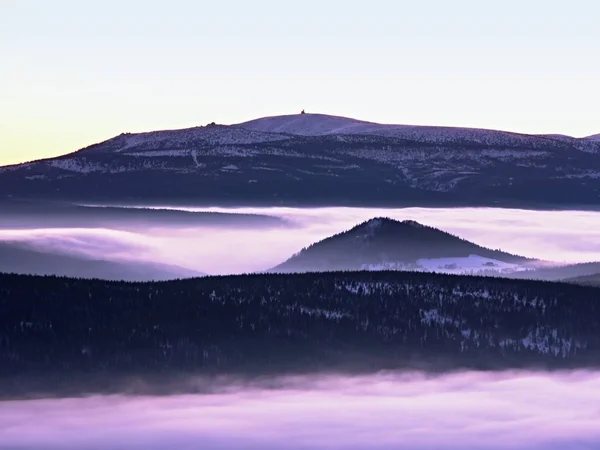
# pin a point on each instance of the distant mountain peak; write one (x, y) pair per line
(385, 228)
(317, 124)
(375, 223)
(413, 223)
(378, 223)
(307, 124)
(385, 242)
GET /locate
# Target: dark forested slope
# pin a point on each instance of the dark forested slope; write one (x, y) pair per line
(588, 280)
(561, 272)
(384, 241)
(28, 259)
(280, 323)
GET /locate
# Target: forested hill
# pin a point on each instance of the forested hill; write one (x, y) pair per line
(590, 280)
(384, 241)
(25, 258)
(277, 323)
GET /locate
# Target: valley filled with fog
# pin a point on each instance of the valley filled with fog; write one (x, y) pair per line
(466, 411)
(323, 225)
(240, 240)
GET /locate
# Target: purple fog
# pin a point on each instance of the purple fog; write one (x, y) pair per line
(389, 411)
(562, 236)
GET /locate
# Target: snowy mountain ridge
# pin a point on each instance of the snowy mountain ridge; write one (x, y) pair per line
(321, 124)
(319, 159)
(277, 129)
(207, 135)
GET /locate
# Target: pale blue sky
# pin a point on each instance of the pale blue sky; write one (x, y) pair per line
(75, 72)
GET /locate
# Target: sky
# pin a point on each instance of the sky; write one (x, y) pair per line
(74, 73)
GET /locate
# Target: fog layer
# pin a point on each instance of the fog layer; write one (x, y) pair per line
(564, 236)
(461, 411)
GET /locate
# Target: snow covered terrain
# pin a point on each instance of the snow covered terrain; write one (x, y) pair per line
(321, 124)
(209, 135)
(470, 265)
(310, 125)
(321, 159)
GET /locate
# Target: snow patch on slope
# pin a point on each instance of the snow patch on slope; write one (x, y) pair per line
(322, 124)
(308, 125)
(545, 342)
(160, 153)
(76, 165)
(433, 316)
(373, 225)
(471, 264)
(320, 312)
(181, 140)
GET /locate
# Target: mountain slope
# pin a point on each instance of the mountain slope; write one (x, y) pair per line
(21, 258)
(68, 331)
(308, 125)
(315, 159)
(383, 243)
(560, 272)
(322, 125)
(30, 214)
(586, 280)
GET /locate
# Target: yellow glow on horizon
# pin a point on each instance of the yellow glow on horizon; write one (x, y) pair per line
(76, 73)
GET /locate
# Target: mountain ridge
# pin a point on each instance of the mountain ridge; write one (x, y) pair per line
(315, 124)
(23, 258)
(273, 128)
(333, 161)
